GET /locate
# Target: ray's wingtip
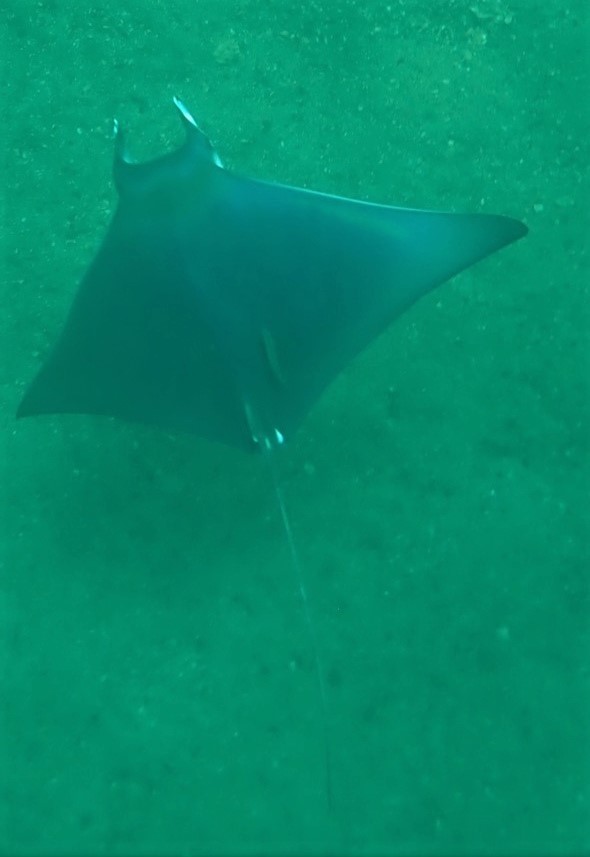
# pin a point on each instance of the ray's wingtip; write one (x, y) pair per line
(22, 409)
(511, 229)
(520, 227)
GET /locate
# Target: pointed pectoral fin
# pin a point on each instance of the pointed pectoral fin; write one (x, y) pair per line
(342, 272)
(437, 246)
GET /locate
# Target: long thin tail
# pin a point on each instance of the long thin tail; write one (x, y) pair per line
(298, 571)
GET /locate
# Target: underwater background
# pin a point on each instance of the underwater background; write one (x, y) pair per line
(158, 692)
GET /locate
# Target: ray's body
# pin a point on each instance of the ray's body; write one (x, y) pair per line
(223, 306)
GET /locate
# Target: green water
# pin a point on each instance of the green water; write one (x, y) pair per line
(158, 693)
